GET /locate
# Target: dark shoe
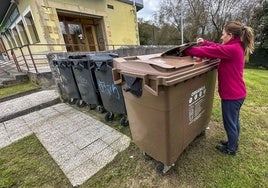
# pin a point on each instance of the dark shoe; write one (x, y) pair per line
(224, 143)
(225, 150)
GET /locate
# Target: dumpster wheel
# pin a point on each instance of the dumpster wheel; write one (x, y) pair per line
(81, 103)
(146, 156)
(72, 101)
(100, 109)
(92, 106)
(124, 121)
(109, 116)
(202, 134)
(162, 168)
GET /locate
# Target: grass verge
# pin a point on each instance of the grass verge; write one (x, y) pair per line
(17, 89)
(26, 163)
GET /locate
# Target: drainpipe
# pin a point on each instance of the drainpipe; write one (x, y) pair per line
(136, 23)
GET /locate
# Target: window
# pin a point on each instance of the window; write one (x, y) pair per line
(110, 6)
(2, 47)
(22, 32)
(16, 36)
(10, 38)
(75, 31)
(65, 35)
(31, 27)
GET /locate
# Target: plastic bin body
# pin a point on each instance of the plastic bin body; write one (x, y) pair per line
(111, 94)
(67, 77)
(174, 104)
(83, 69)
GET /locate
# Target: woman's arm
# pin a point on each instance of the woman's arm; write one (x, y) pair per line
(212, 51)
(209, 43)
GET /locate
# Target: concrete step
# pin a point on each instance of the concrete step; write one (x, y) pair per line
(15, 107)
(14, 79)
(4, 78)
(9, 76)
(8, 67)
(21, 94)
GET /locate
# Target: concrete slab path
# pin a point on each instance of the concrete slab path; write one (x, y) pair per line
(79, 144)
(25, 104)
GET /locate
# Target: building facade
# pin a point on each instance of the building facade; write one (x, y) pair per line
(69, 25)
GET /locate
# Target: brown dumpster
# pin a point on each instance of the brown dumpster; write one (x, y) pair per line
(168, 100)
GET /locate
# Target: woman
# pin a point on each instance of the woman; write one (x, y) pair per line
(237, 41)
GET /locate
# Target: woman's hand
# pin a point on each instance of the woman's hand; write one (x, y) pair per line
(200, 41)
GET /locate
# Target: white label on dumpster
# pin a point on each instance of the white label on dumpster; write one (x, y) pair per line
(196, 100)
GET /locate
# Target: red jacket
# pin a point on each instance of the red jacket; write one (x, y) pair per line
(230, 69)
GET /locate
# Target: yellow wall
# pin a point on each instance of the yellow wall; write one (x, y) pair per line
(95, 7)
(119, 24)
(37, 15)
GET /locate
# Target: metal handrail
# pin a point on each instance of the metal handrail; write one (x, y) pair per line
(28, 46)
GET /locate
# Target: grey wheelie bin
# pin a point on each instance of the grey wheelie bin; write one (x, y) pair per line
(111, 94)
(68, 80)
(83, 68)
(168, 99)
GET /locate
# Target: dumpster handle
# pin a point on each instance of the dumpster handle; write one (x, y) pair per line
(146, 82)
(79, 67)
(118, 80)
(116, 77)
(151, 90)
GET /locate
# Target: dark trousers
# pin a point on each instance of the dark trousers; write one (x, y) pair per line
(230, 115)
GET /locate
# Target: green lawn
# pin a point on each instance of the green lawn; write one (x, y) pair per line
(24, 87)
(26, 163)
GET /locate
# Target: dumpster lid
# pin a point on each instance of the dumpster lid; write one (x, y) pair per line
(162, 61)
(165, 69)
(171, 62)
(177, 51)
(168, 62)
(171, 59)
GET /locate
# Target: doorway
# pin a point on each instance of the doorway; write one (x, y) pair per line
(90, 37)
(81, 33)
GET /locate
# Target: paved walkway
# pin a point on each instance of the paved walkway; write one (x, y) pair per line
(23, 105)
(79, 144)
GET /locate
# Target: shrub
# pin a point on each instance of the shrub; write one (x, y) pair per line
(259, 58)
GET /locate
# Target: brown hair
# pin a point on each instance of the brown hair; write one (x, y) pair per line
(238, 30)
